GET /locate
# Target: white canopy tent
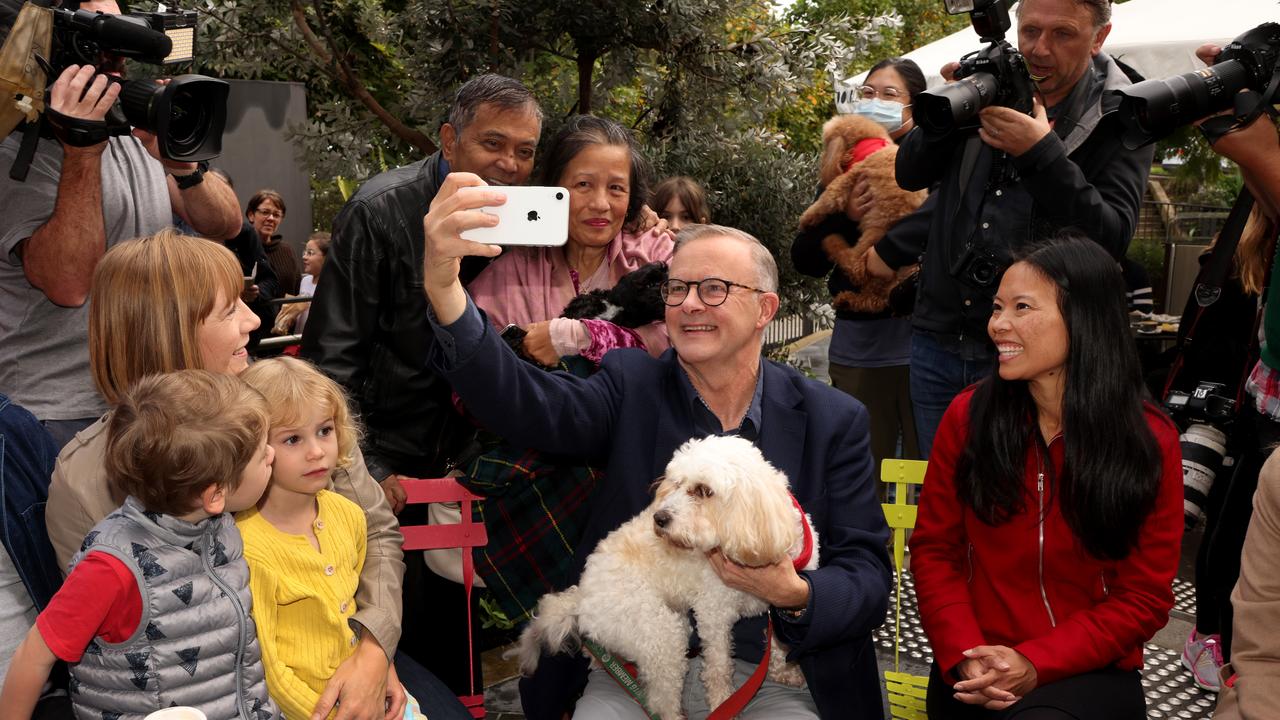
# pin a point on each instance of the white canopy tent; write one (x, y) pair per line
(1158, 38)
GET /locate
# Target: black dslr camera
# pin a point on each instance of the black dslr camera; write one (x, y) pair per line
(995, 75)
(187, 115)
(980, 266)
(1205, 404)
(1152, 109)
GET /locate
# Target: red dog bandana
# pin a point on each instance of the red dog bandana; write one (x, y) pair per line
(861, 150)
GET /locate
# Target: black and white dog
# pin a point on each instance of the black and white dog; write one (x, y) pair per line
(635, 301)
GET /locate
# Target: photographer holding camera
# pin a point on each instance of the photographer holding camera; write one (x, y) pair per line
(1046, 155)
(1249, 683)
(84, 193)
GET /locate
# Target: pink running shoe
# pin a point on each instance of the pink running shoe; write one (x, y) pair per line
(1202, 655)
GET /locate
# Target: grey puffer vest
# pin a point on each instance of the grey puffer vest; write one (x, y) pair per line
(196, 644)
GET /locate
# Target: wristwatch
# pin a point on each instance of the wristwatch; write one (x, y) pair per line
(193, 179)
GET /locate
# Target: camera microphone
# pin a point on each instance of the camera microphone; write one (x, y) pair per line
(124, 35)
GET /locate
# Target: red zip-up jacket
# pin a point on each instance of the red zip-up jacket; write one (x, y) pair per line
(1032, 586)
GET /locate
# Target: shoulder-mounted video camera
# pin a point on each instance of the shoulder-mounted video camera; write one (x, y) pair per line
(994, 75)
(1152, 109)
(187, 114)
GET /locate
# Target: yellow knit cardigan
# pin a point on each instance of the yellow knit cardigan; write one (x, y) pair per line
(303, 599)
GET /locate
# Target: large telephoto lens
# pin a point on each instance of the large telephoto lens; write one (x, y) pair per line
(1203, 450)
(954, 105)
(1152, 109)
(187, 115)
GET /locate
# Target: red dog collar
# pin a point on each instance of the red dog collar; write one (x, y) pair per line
(807, 552)
(861, 150)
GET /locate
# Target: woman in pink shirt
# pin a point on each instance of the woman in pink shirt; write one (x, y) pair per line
(535, 506)
(598, 162)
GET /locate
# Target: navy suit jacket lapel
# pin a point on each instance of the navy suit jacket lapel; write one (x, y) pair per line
(783, 423)
(675, 421)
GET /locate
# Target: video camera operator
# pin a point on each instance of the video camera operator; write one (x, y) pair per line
(77, 201)
(1022, 176)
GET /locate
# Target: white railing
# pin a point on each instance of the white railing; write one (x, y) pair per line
(784, 330)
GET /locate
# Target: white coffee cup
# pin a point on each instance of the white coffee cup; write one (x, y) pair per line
(177, 713)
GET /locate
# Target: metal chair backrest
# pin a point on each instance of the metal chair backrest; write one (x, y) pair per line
(466, 534)
(906, 692)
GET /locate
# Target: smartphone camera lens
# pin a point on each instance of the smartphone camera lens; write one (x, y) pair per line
(559, 196)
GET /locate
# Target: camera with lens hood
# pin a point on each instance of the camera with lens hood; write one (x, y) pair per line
(994, 75)
(1207, 413)
(187, 114)
(1152, 109)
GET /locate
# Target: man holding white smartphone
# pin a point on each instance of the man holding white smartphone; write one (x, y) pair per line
(633, 413)
(368, 327)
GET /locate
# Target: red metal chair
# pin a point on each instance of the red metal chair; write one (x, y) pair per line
(466, 534)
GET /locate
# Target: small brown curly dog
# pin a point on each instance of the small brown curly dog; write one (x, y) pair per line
(840, 174)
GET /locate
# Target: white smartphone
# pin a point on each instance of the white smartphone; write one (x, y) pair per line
(531, 216)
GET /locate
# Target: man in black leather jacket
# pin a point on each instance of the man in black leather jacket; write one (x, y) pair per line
(368, 327)
(1031, 176)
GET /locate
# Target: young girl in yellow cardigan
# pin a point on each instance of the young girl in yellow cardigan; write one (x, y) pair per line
(305, 544)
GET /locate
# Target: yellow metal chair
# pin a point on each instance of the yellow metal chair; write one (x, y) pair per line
(906, 692)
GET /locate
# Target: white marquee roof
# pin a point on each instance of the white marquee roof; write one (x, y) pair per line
(1158, 38)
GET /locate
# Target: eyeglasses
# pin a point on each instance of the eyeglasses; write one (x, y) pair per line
(308, 252)
(711, 291)
(269, 214)
(866, 92)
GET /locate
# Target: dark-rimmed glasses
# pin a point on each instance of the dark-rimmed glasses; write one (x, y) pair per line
(711, 291)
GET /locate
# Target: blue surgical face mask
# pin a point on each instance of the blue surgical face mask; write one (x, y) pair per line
(886, 113)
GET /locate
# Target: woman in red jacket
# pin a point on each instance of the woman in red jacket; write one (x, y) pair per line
(1051, 517)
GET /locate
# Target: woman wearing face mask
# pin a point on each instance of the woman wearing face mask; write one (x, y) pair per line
(869, 351)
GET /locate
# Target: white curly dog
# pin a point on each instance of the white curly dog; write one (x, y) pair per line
(642, 580)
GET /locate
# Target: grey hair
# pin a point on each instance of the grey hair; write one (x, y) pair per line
(1101, 10)
(490, 89)
(766, 267)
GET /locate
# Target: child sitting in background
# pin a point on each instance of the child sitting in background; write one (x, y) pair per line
(681, 201)
(305, 543)
(156, 610)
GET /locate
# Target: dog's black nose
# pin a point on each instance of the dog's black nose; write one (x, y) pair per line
(661, 518)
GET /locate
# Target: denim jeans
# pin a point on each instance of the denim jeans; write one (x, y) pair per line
(940, 370)
(27, 455)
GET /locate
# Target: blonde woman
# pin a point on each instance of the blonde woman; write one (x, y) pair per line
(171, 302)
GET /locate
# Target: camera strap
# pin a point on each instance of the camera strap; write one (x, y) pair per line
(77, 132)
(26, 151)
(1214, 273)
(968, 161)
(1208, 288)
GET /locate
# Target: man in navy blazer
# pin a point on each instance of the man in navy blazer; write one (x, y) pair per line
(633, 414)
